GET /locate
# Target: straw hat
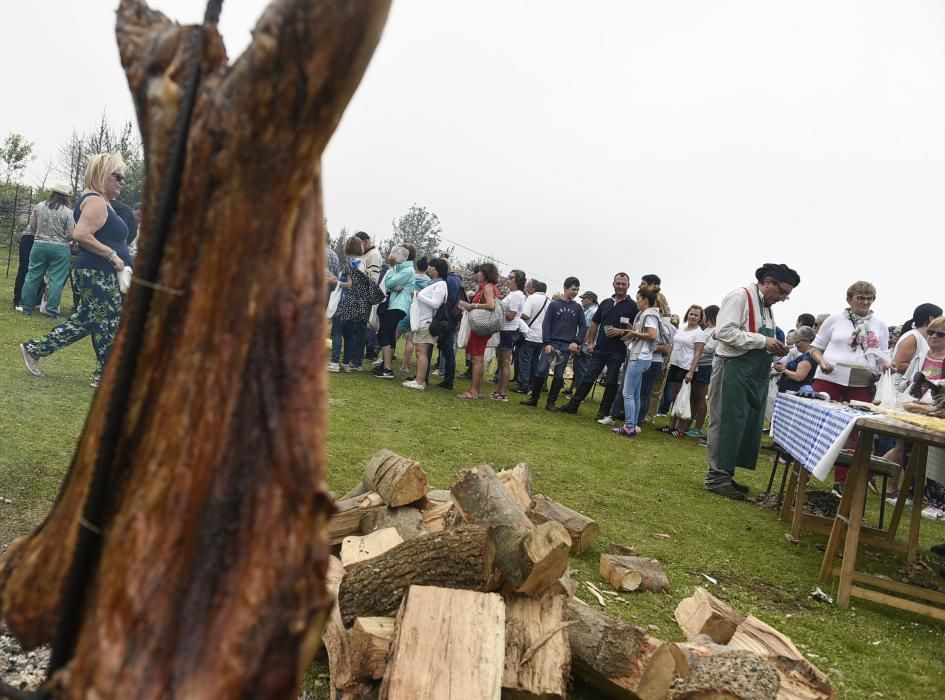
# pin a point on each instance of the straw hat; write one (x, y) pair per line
(62, 188)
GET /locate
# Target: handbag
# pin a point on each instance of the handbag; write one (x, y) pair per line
(485, 322)
(440, 324)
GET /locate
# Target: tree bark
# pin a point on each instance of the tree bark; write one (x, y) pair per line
(217, 483)
(715, 672)
(349, 514)
(399, 481)
(406, 520)
(461, 558)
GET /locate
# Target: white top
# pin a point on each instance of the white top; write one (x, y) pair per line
(684, 346)
(516, 303)
(536, 315)
(429, 299)
(921, 344)
(640, 348)
(833, 339)
(732, 323)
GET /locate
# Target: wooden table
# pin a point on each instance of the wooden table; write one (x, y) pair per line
(852, 582)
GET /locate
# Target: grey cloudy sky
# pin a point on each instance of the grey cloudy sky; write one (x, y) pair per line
(692, 139)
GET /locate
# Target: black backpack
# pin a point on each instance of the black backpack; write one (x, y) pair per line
(441, 322)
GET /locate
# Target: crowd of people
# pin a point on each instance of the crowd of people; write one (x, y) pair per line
(721, 363)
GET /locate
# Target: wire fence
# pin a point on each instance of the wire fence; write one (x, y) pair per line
(16, 203)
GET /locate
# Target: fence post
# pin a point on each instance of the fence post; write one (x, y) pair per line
(16, 201)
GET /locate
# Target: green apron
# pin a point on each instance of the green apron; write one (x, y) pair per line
(744, 398)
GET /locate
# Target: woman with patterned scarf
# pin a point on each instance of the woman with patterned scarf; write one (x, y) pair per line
(851, 351)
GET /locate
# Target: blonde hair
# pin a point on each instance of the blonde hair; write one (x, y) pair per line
(100, 167)
(861, 287)
(937, 324)
(663, 304)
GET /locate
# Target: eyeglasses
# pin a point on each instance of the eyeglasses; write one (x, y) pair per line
(119, 177)
(784, 295)
(937, 334)
(863, 298)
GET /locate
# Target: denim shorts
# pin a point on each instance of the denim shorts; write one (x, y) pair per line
(507, 339)
(703, 374)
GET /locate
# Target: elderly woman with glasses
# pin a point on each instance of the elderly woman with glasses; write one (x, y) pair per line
(851, 350)
(101, 235)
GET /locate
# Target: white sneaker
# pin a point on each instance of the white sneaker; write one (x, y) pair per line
(345, 368)
(436, 373)
(932, 513)
(378, 361)
(413, 385)
(334, 367)
(606, 420)
(18, 308)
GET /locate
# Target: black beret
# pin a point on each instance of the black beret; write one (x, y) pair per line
(780, 272)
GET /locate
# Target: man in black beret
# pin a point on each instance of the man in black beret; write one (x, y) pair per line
(738, 391)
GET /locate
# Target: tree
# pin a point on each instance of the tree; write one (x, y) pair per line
(337, 243)
(197, 491)
(104, 138)
(420, 227)
(16, 154)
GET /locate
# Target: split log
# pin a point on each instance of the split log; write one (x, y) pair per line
(583, 530)
(399, 480)
(370, 641)
(566, 586)
(531, 558)
(633, 573)
(355, 550)
(799, 677)
(350, 512)
(448, 644)
(621, 550)
(435, 510)
(215, 467)
(461, 558)
(715, 672)
(341, 674)
(703, 613)
(406, 520)
(518, 482)
(537, 654)
(618, 659)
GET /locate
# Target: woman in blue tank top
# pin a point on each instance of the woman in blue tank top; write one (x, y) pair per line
(102, 236)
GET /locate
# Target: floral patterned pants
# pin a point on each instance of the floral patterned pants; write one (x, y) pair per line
(98, 309)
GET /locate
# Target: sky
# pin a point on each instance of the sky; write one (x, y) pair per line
(694, 140)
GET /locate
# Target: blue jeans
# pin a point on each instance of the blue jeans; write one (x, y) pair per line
(351, 333)
(544, 363)
(447, 346)
(631, 389)
(667, 399)
(597, 362)
(528, 358)
(580, 367)
(646, 389)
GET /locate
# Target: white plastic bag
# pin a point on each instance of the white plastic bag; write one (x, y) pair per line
(885, 394)
(124, 279)
(681, 405)
(462, 337)
(414, 315)
(772, 396)
(333, 300)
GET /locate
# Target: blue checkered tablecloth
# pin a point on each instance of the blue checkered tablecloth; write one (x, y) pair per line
(812, 431)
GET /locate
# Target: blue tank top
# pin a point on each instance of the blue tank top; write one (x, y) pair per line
(114, 234)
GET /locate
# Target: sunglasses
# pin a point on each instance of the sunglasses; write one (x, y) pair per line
(937, 334)
(119, 177)
(863, 298)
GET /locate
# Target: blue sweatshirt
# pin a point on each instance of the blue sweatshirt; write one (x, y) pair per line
(564, 321)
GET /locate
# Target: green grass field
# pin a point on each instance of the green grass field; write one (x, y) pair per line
(637, 490)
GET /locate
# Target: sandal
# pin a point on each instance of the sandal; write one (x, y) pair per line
(666, 429)
(468, 395)
(496, 396)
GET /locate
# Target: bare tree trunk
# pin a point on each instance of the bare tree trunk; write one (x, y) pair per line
(211, 578)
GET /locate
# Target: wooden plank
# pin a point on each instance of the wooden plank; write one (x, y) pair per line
(537, 654)
(799, 503)
(897, 586)
(857, 478)
(897, 602)
(354, 550)
(448, 645)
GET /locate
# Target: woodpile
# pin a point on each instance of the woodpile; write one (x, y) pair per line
(466, 593)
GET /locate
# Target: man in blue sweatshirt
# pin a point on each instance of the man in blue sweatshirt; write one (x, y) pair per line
(562, 330)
